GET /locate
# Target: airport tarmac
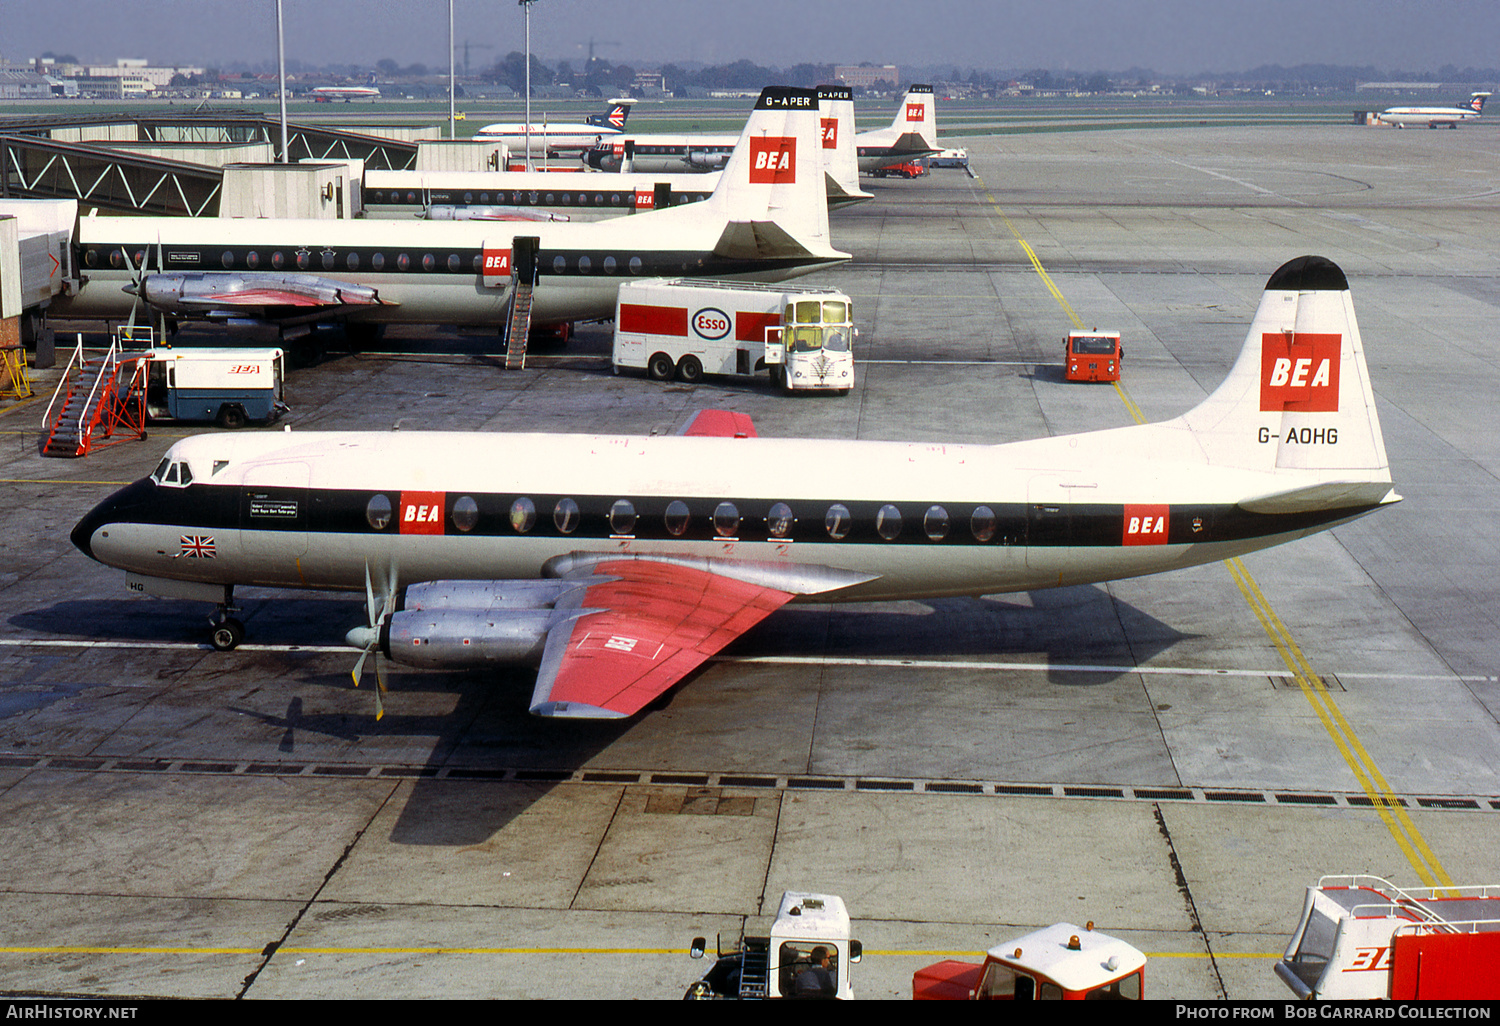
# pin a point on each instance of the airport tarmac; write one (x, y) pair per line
(1174, 758)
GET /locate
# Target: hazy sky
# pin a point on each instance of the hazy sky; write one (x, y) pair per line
(1173, 36)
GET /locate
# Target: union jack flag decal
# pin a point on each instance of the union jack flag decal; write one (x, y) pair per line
(198, 546)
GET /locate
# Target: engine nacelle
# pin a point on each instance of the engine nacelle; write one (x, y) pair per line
(479, 596)
(705, 159)
(459, 638)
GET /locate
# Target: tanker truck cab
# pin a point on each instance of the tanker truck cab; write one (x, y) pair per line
(688, 328)
(814, 347)
(1062, 962)
(807, 955)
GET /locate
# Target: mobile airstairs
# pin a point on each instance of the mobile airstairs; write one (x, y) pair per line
(100, 400)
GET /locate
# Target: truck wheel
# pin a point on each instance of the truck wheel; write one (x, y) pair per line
(231, 417)
(690, 370)
(660, 367)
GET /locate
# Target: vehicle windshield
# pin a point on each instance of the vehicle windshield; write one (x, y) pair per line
(808, 969)
(1093, 345)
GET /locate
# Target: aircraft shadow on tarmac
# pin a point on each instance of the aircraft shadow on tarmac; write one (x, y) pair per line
(474, 723)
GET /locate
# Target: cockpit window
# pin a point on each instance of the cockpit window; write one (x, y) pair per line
(159, 473)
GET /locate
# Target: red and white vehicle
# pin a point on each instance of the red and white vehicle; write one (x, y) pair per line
(1061, 962)
(1363, 937)
(686, 328)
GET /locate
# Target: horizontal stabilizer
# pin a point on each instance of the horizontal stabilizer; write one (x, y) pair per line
(758, 240)
(1326, 496)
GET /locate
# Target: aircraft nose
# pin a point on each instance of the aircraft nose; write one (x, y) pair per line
(111, 510)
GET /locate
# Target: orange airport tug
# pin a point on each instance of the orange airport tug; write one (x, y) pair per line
(1092, 356)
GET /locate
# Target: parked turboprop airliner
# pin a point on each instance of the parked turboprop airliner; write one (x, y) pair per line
(669, 154)
(559, 140)
(618, 564)
(767, 220)
(912, 134)
(1434, 117)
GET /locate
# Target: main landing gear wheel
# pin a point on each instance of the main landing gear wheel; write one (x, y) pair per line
(227, 634)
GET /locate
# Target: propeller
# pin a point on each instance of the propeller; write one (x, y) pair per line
(137, 286)
(367, 639)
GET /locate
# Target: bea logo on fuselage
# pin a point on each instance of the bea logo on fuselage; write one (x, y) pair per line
(1146, 524)
(773, 160)
(422, 512)
(711, 324)
(497, 261)
(1299, 373)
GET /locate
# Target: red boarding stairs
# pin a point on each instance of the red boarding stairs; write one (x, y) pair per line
(103, 401)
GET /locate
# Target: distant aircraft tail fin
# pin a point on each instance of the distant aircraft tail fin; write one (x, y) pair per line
(918, 115)
(1476, 102)
(771, 192)
(614, 118)
(840, 160)
(1299, 397)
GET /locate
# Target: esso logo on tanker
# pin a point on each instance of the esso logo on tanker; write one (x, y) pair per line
(711, 324)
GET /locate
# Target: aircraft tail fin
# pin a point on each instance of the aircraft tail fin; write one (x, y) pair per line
(840, 160)
(1299, 397)
(614, 118)
(775, 174)
(918, 116)
(1476, 101)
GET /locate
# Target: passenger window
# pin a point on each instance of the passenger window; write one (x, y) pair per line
(622, 517)
(677, 518)
(982, 524)
(888, 522)
(779, 521)
(565, 516)
(726, 520)
(522, 515)
(837, 521)
(378, 512)
(466, 513)
(935, 523)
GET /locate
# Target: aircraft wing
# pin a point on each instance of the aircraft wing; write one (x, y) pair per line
(639, 627)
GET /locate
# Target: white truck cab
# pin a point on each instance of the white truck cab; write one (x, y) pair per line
(686, 328)
(807, 955)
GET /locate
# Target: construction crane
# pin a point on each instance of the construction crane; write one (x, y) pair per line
(476, 46)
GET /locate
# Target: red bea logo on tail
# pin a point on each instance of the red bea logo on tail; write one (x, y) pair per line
(773, 160)
(830, 133)
(914, 111)
(1299, 372)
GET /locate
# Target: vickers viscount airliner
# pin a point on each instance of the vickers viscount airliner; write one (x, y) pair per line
(767, 220)
(618, 564)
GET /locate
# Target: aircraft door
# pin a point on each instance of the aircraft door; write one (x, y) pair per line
(273, 518)
(1049, 526)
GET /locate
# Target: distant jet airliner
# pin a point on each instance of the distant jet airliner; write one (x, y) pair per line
(1434, 117)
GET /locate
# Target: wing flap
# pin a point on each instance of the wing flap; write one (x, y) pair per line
(641, 627)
